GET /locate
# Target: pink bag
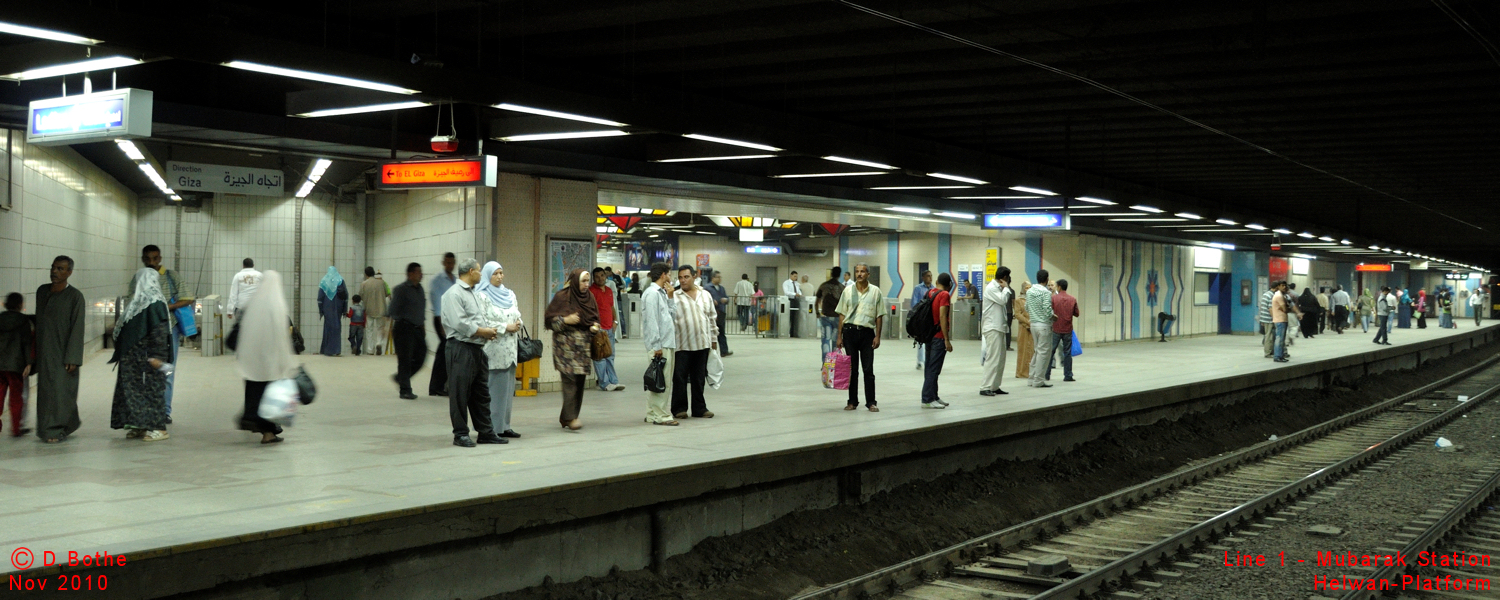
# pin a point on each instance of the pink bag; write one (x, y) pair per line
(836, 370)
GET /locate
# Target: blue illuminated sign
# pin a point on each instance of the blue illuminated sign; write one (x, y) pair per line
(99, 115)
(763, 249)
(122, 113)
(1028, 220)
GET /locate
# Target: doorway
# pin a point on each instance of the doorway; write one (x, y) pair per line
(1226, 300)
(769, 282)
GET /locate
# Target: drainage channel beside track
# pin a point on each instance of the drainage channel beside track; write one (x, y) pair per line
(1145, 536)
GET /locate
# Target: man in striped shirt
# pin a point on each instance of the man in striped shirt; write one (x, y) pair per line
(697, 335)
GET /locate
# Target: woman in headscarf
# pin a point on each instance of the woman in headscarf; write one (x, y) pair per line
(573, 317)
(1366, 307)
(333, 302)
(1420, 307)
(500, 353)
(143, 346)
(1025, 346)
(1311, 312)
(264, 352)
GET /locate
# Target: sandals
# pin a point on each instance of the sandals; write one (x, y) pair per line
(672, 423)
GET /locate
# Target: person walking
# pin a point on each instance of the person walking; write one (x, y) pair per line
(373, 292)
(438, 384)
(178, 295)
(572, 316)
(464, 314)
(1280, 306)
(697, 336)
(917, 294)
(826, 300)
(1476, 305)
(1365, 305)
(744, 299)
(604, 300)
(333, 304)
(1065, 307)
(1025, 346)
(659, 332)
(940, 346)
(793, 292)
(60, 323)
(1039, 307)
(241, 287)
(407, 310)
(721, 308)
(1383, 309)
(1263, 315)
(16, 343)
(500, 353)
(860, 322)
(994, 326)
(263, 353)
(1340, 301)
(143, 345)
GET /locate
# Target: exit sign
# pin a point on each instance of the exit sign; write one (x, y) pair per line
(439, 173)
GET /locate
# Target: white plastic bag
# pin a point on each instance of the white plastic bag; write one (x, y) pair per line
(1443, 442)
(715, 369)
(279, 402)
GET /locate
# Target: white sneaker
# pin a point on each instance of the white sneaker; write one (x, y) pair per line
(945, 404)
(933, 404)
(155, 435)
(616, 388)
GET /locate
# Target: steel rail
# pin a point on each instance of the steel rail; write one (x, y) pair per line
(938, 561)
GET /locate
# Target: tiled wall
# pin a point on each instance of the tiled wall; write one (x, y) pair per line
(63, 204)
(419, 226)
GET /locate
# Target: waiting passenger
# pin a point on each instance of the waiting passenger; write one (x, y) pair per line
(604, 301)
(437, 385)
(1311, 314)
(995, 325)
(464, 312)
(1445, 310)
(659, 332)
(1384, 306)
(721, 307)
(500, 353)
(923, 287)
(376, 295)
(16, 342)
(178, 295)
(1476, 305)
(60, 323)
(357, 321)
(264, 353)
(826, 303)
(1263, 315)
(1025, 346)
(939, 347)
(744, 299)
(1365, 306)
(143, 349)
(1281, 310)
(573, 318)
(860, 321)
(1065, 307)
(1039, 305)
(697, 336)
(1420, 307)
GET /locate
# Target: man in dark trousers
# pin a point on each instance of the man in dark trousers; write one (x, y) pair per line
(438, 385)
(407, 309)
(940, 346)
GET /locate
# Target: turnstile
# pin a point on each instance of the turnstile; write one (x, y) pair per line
(965, 323)
(210, 325)
(632, 312)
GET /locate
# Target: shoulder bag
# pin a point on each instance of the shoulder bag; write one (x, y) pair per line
(599, 346)
(527, 348)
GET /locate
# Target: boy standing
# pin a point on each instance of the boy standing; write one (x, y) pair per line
(357, 324)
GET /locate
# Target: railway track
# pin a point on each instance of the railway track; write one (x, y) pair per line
(1449, 546)
(1143, 537)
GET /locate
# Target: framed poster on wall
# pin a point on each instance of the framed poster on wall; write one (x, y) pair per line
(565, 255)
(1106, 288)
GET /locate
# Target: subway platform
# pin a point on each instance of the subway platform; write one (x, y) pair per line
(368, 496)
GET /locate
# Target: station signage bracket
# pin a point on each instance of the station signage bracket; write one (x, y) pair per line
(471, 171)
(115, 114)
(1026, 220)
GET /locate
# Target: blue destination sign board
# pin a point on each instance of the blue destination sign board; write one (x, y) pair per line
(1026, 220)
(763, 249)
(114, 114)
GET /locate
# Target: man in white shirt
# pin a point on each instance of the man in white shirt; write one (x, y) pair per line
(697, 329)
(744, 300)
(374, 296)
(994, 325)
(1476, 305)
(1039, 306)
(242, 287)
(793, 293)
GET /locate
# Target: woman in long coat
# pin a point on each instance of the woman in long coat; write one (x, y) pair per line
(1311, 313)
(1025, 346)
(333, 302)
(264, 352)
(143, 344)
(572, 316)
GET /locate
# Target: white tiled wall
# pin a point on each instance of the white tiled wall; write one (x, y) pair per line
(419, 227)
(63, 204)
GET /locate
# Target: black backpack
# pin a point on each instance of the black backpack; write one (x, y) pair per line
(919, 322)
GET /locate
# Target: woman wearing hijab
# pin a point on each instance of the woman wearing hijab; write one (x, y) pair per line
(1366, 307)
(1308, 303)
(1420, 307)
(143, 345)
(500, 353)
(1025, 345)
(333, 302)
(264, 352)
(573, 317)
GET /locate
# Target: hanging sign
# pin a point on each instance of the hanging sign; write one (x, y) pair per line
(1039, 220)
(123, 113)
(439, 173)
(1456, 276)
(199, 177)
(1373, 268)
(763, 249)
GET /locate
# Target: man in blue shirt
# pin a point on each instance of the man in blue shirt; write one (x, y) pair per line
(438, 386)
(916, 296)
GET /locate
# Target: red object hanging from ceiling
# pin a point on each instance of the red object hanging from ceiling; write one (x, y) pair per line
(834, 228)
(624, 223)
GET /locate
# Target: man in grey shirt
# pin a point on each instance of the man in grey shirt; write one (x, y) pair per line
(659, 327)
(468, 371)
(1340, 301)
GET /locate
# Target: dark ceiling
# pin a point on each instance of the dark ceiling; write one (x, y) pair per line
(1374, 119)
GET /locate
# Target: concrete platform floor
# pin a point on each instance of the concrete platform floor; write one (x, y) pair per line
(360, 450)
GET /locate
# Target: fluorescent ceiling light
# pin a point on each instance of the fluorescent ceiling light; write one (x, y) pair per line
(47, 34)
(315, 76)
(1188, 215)
(1221, 246)
(83, 66)
(862, 163)
(1306, 256)
(1306, 235)
(1225, 222)
(1032, 190)
(1283, 231)
(1108, 215)
(1095, 200)
(958, 178)
(1398, 252)
(155, 177)
(556, 114)
(719, 140)
(1152, 220)
(1386, 249)
(1213, 230)
(354, 110)
(1256, 226)
(708, 158)
(1374, 247)
(909, 210)
(1325, 238)
(1144, 208)
(923, 187)
(567, 135)
(128, 147)
(318, 168)
(1054, 208)
(849, 174)
(955, 215)
(994, 197)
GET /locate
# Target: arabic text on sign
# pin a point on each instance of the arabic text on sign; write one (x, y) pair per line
(452, 172)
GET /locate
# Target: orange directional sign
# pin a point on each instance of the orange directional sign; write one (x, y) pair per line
(442, 173)
(1368, 268)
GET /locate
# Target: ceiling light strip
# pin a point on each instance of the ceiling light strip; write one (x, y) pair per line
(557, 114)
(315, 76)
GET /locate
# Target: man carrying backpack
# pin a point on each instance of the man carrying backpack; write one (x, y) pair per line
(935, 309)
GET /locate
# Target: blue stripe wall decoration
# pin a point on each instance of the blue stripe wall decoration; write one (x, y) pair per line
(844, 253)
(1135, 298)
(1169, 255)
(893, 262)
(945, 252)
(1033, 255)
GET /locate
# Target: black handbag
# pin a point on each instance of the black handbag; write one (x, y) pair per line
(656, 375)
(527, 348)
(306, 389)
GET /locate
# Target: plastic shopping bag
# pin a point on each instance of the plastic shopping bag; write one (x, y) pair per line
(1077, 347)
(279, 402)
(836, 370)
(715, 369)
